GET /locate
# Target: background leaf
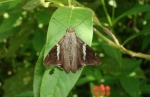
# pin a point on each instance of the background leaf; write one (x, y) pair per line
(32, 4)
(60, 83)
(8, 23)
(38, 75)
(131, 85)
(134, 10)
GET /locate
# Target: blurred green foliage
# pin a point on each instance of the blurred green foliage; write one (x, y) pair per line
(23, 29)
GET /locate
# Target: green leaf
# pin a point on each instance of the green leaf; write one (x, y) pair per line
(14, 44)
(131, 85)
(144, 31)
(145, 89)
(84, 80)
(8, 23)
(90, 73)
(32, 4)
(110, 66)
(38, 40)
(2, 1)
(18, 83)
(25, 94)
(60, 83)
(8, 33)
(134, 10)
(14, 4)
(130, 65)
(145, 42)
(38, 75)
(111, 52)
(58, 3)
(43, 16)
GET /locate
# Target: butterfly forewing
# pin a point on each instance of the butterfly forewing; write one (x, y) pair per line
(88, 56)
(51, 57)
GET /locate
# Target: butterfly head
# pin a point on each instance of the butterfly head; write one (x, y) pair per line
(70, 30)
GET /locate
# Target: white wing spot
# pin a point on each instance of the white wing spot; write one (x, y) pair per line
(58, 51)
(84, 51)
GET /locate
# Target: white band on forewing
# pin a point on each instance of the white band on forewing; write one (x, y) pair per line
(84, 51)
(58, 51)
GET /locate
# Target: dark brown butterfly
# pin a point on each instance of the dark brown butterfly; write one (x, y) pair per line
(71, 53)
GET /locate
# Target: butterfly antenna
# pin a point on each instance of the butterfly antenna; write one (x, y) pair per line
(80, 23)
(59, 23)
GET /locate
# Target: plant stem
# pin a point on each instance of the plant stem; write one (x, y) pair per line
(123, 49)
(69, 3)
(113, 12)
(106, 12)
